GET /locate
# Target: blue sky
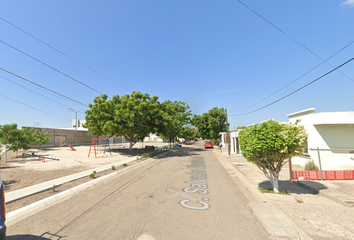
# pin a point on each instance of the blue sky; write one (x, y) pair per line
(205, 53)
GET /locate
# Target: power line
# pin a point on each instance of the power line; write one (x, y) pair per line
(297, 78)
(334, 69)
(286, 34)
(33, 91)
(66, 75)
(43, 87)
(55, 49)
(33, 107)
(69, 97)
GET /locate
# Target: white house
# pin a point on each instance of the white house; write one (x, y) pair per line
(153, 138)
(234, 142)
(332, 133)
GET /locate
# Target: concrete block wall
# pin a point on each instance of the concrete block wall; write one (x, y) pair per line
(83, 137)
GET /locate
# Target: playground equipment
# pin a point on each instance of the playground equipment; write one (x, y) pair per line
(101, 144)
(39, 157)
(63, 142)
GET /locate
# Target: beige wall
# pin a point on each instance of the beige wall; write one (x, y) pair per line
(83, 137)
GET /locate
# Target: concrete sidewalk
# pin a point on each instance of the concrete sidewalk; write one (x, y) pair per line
(314, 209)
(340, 191)
(24, 192)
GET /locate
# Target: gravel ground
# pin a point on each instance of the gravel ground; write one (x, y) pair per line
(21, 172)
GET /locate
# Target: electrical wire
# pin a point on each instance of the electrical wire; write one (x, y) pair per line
(33, 91)
(296, 78)
(66, 75)
(61, 95)
(33, 107)
(343, 64)
(64, 54)
(287, 35)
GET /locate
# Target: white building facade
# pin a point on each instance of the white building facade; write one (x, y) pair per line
(332, 133)
(234, 141)
(330, 139)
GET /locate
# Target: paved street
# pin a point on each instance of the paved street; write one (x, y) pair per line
(185, 194)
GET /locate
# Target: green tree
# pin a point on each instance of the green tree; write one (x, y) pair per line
(173, 116)
(131, 116)
(210, 124)
(21, 139)
(187, 133)
(7, 133)
(270, 145)
(41, 137)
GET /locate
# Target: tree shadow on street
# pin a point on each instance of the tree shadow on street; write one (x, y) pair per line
(303, 187)
(44, 236)
(131, 153)
(27, 237)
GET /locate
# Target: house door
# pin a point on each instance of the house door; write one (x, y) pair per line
(237, 146)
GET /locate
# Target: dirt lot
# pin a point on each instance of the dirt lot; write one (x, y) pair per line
(26, 170)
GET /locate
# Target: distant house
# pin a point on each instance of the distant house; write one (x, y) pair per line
(153, 138)
(77, 123)
(234, 142)
(332, 133)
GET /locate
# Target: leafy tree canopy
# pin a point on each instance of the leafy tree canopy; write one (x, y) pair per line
(173, 117)
(131, 116)
(188, 133)
(210, 124)
(41, 137)
(270, 145)
(7, 133)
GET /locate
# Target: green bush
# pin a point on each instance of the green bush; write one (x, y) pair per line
(124, 164)
(281, 191)
(310, 165)
(113, 167)
(92, 175)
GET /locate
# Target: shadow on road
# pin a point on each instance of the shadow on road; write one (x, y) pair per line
(292, 187)
(133, 153)
(27, 237)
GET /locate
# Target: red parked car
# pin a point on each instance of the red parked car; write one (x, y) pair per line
(208, 145)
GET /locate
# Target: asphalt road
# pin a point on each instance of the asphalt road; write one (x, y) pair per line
(185, 194)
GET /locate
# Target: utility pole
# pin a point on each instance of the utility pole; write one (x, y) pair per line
(227, 135)
(76, 122)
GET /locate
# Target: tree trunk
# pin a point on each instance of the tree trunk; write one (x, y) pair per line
(275, 183)
(273, 177)
(130, 145)
(5, 152)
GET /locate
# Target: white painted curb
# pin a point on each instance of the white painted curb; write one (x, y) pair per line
(47, 201)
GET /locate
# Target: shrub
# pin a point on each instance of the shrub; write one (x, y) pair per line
(310, 165)
(92, 175)
(124, 164)
(281, 191)
(54, 188)
(113, 167)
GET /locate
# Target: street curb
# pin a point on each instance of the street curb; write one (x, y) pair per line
(344, 202)
(311, 189)
(25, 211)
(264, 200)
(28, 210)
(31, 190)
